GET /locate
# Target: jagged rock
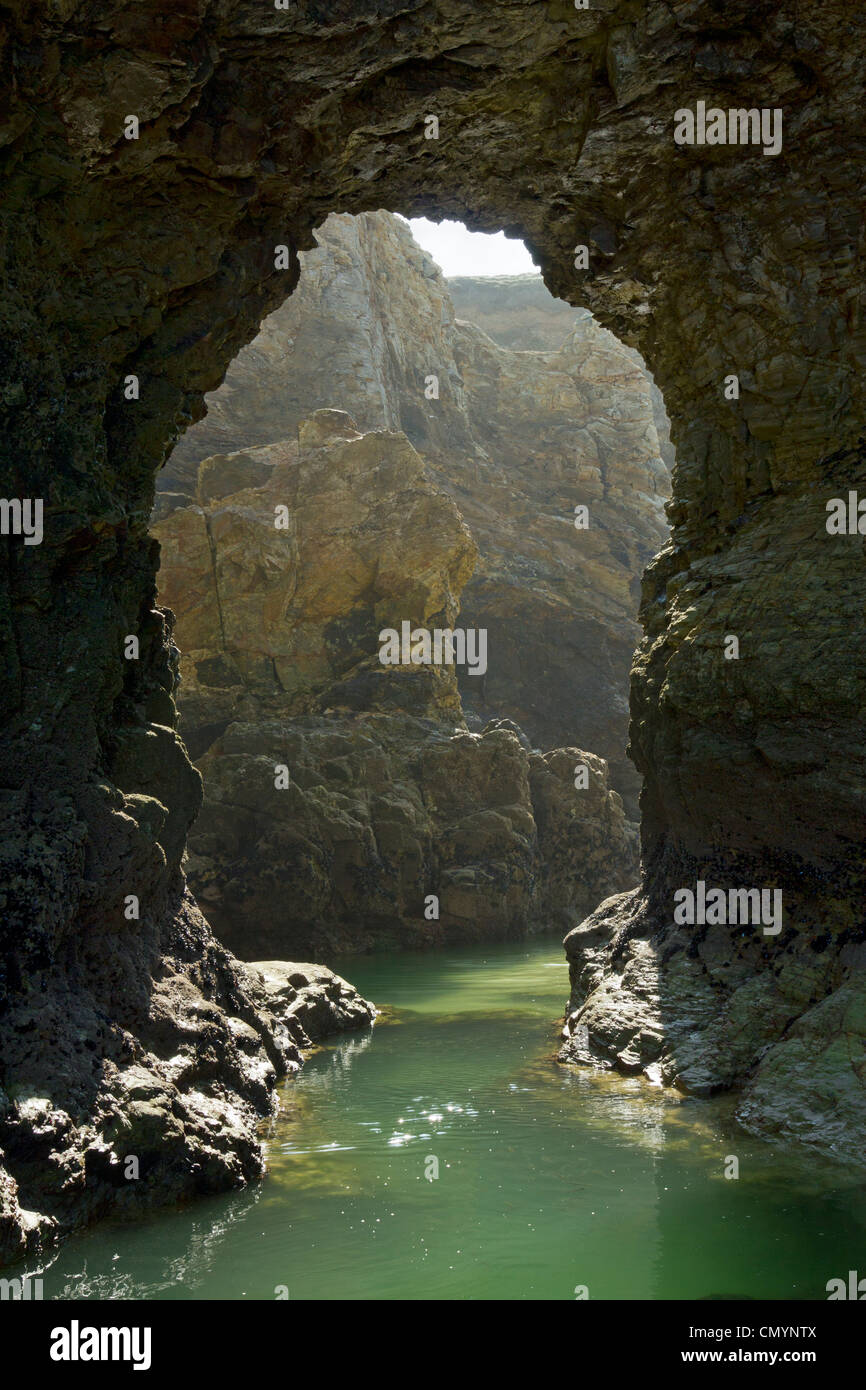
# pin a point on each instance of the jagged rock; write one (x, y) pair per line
(519, 312)
(709, 1008)
(390, 799)
(517, 439)
(516, 311)
(180, 1095)
(560, 430)
(172, 1076)
(311, 1000)
(383, 811)
(286, 620)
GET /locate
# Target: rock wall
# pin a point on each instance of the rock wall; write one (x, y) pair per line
(516, 311)
(518, 439)
(386, 803)
(155, 259)
(519, 312)
(285, 619)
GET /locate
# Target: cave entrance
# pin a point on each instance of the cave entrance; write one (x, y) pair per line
(512, 484)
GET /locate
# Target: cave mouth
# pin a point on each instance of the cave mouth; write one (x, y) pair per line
(404, 450)
(151, 261)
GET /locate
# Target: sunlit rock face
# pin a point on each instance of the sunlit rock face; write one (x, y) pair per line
(155, 258)
(283, 619)
(519, 440)
(346, 803)
(519, 312)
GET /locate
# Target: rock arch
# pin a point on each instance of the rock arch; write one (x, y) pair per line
(155, 257)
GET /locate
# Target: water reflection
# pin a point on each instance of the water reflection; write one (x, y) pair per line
(445, 1154)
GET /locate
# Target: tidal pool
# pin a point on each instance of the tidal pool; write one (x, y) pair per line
(444, 1154)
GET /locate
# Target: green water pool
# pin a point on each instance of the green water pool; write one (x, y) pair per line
(444, 1154)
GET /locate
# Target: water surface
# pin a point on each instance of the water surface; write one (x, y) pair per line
(550, 1179)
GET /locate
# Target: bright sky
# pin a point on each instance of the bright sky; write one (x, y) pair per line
(457, 251)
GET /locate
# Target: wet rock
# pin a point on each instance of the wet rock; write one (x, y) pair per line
(715, 1009)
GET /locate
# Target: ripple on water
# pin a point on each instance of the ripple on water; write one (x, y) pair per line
(447, 1155)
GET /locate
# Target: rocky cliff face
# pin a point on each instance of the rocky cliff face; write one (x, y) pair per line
(516, 311)
(391, 824)
(283, 619)
(154, 259)
(519, 312)
(519, 440)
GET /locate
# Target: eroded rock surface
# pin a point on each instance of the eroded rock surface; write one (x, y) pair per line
(155, 258)
(518, 439)
(341, 794)
(148, 1097)
(285, 619)
(384, 810)
(310, 1001)
(519, 312)
(516, 311)
(710, 1008)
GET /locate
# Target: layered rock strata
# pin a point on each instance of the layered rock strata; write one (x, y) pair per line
(153, 260)
(519, 312)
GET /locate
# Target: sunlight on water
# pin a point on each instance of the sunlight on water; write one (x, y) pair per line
(548, 1177)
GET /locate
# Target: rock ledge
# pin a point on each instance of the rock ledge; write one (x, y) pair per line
(311, 1001)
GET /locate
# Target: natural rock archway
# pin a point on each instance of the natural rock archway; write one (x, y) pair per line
(154, 258)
